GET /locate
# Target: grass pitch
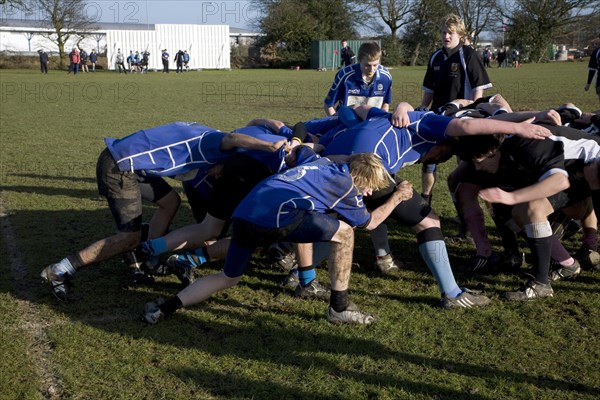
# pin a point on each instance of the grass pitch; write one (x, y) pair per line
(255, 340)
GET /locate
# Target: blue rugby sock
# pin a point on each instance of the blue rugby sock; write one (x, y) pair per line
(306, 275)
(155, 247)
(435, 255)
(193, 259)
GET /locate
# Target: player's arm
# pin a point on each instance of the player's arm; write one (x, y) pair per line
(549, 116)
(385, 107)
(400, 116)
(272, 124)
(334, 95)
(427, 99)
(404, 191)
(467, 127)
(476, 94)
(237, 140)
(545, 188)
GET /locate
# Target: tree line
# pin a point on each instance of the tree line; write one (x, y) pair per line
(409, 28)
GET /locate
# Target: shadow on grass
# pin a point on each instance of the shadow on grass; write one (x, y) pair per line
(262, 337)
(55, 177)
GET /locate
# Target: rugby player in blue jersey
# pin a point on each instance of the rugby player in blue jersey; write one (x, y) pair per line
(399, 147)
(298, 206)
(229, 182)
(131, 169)
(366, 82)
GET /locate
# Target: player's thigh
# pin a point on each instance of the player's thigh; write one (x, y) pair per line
(122, 192)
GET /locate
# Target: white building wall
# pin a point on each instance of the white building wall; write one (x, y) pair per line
(208, 45)
(16, 41)
(131, 41)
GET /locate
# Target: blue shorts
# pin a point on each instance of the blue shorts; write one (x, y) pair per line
(308, 227)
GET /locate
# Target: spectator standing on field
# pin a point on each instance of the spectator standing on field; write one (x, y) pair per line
(515, 58)
(43, 61)
(93, 59)
(594, 67)
(501, 57)
(487, 55)
(165, 61)
(130, 61)
(84, 59)
(186, 60)
(179, 61)
(346, 54)
(120, 61)
(75, 58)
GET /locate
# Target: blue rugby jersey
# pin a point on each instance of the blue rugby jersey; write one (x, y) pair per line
(321, 126)
(321, 186)
(168, 150)
(397, 147)
(274, 160)
(349, 88)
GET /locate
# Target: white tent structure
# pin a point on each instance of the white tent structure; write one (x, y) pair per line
(208, 45)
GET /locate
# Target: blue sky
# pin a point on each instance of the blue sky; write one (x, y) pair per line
(236, 13)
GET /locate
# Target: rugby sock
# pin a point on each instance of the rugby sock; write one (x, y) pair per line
(539, 237)
(590, 239)
(339, 300)
(379, 238)
(474, 221)
(306, 275)
(170, 306)
(64, 266)
(434, 253)
(155, 247)
(560, 254)
(195, 258)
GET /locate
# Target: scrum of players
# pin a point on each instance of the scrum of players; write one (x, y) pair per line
(299, 193)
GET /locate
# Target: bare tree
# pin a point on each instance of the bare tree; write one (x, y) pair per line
(476, 14)
(422, 35)
(534, 24)
(67, 19)
(394, 13)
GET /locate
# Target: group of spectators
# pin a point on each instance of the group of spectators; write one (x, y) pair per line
(181, 59)
(504, 57)
(310, 185)
(77, 60)
(136, 62)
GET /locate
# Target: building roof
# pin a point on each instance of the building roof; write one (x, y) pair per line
(25, 24)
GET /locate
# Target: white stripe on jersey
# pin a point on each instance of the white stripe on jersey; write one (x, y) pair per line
(343, 78)
(280, 212)
(468, 93)
(375, 101)
(580, 149)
